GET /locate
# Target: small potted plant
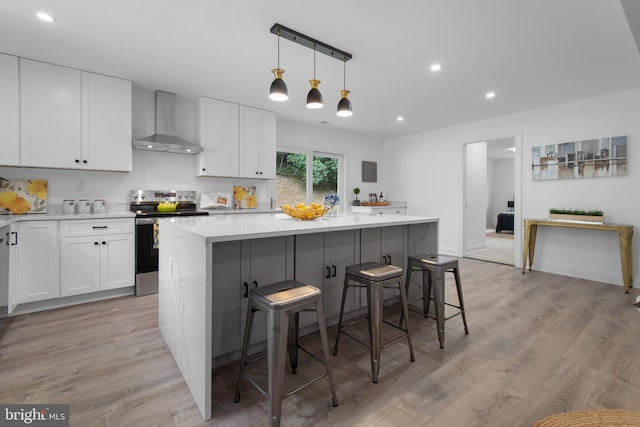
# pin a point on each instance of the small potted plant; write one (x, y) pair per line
(356, 202)
(592, 216)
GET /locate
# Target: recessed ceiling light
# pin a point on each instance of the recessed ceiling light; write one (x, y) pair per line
(436, 67)
(45, 17)
(400, 118)
(490, 95)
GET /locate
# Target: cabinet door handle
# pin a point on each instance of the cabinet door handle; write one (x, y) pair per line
(328, 272)
(104, 243)
(335, 271)
(246, 289)
(255, 284)
(384, 259)
(15, 241)
(96, 243)
(77, 160)
(203, 169)
(389, 256)
(95, 227)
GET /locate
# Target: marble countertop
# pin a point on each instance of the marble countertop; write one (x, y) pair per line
(222, 228)
(54, 215)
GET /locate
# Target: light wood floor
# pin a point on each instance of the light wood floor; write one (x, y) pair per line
(539, 344)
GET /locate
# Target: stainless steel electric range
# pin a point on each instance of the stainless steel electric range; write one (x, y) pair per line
(145, 205)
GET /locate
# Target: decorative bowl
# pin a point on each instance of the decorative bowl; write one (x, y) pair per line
(305, 212)
(167, 207)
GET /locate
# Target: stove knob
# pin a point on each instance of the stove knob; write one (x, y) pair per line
(143, 196)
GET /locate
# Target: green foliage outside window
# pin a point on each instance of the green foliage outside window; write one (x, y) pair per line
(325, 169)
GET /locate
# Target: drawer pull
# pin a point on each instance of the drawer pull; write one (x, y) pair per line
(95, 227)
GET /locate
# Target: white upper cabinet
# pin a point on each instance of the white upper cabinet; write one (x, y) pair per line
(51, 107)
(257, 143)
(218, 121)
(74, 120)
(9, 111)
(106, 123)
(238, 141)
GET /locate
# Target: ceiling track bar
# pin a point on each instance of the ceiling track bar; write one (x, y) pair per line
(307, 41)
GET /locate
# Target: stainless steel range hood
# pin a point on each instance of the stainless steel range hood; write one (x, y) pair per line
(165, 138)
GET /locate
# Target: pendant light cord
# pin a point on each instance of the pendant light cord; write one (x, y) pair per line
(278, 49)
(314, 61)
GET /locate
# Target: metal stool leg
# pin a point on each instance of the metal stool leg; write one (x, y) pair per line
(405, 311)
(344, 299)
(375, 322)
(245, 350)
(277, 321)
(427, 283)
(437, 277)
(460, 299)
(325, 350)
(292, 341)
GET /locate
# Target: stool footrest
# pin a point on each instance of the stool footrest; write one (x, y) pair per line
(308, 383)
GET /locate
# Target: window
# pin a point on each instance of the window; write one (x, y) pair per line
(307, 176)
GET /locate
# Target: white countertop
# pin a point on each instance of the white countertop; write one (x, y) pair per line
(222, 228)
(11, 219)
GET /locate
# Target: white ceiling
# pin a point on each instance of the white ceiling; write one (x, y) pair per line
(531, 53)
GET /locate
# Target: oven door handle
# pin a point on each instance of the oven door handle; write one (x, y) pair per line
(145, 221)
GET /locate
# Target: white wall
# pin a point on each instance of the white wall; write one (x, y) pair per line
(156, 170)
(500, 175)
(354, 147)
(426, 169)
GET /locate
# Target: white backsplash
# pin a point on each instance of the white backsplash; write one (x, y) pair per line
(151, 171)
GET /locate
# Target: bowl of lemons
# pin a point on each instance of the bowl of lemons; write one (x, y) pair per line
(305, 212)
(167, 206)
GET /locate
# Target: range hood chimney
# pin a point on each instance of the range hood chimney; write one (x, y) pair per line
(165, 138)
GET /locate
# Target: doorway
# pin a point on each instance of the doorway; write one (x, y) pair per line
(491, 194)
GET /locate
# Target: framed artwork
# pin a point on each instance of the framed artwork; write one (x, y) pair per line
(589, 158)
(244, 197)
(19, 196)
(369, 171)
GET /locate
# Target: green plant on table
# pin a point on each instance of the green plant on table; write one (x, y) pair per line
(356, 191)
(576, 212)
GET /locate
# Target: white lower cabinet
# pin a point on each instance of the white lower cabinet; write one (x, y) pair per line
(97, 260)
(37, 260)
(237, 268)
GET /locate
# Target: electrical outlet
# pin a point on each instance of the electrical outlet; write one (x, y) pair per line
(81, 185)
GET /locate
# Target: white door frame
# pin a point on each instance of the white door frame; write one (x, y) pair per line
(518, 170)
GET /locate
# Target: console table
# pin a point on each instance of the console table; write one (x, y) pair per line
(625, 233)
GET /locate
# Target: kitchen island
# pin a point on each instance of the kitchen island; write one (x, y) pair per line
(208, 264)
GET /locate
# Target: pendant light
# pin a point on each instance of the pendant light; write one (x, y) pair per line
(314, 97)
(344, 105)
(278, 91)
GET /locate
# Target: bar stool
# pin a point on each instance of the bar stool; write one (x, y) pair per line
(433, 269)
(282, 302)
(375, 277)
